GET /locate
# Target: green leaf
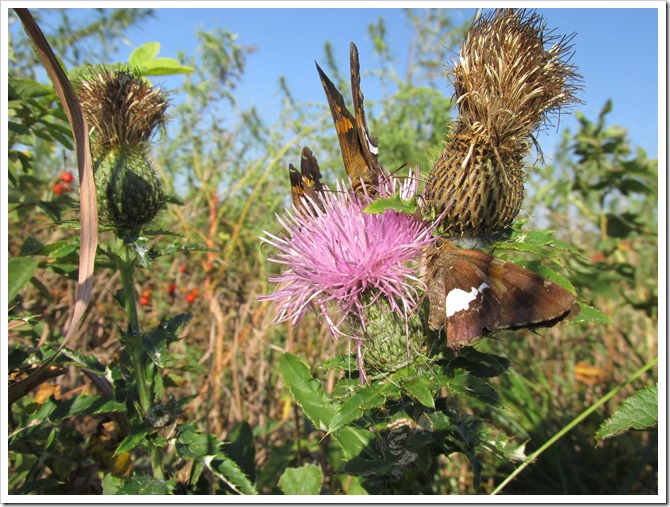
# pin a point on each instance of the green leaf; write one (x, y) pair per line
(589, 314)
(307, 391)
(367, 398)
(206, 449)
(19, 272)
(25, 88)
(64, 250)
(194, 445)
(111, 484)
(144, 60)
(344, 362)
(417, 389)
(241, 448)
(164, 67)
(175, 248)
(155, 345)
(318, 407)
(519, 246)
(145, 485)
(156, 342)
(480, 364)
(381, 465)
(141, 55)
(58, 410)
(228, 471)
(638, 412)
(354, 441)
(133, 439)
(475, 387)
(73, 357)
(305, 480)
(394, 203)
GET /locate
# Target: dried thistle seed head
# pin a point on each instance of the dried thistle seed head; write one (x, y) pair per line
(511, 75)
(122, 107)
(477, 188)
(130, 193)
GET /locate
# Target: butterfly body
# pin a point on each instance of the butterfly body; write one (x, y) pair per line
(472, 294)
(359, 149)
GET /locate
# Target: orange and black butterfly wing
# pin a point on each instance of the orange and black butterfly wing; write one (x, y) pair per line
(297, 190)
(347, 134)
(307, 182)
(311, 175)
(368, 143)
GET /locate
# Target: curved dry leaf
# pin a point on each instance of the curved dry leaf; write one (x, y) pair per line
(88, 204)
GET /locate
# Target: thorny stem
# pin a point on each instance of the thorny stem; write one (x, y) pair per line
(135, 350)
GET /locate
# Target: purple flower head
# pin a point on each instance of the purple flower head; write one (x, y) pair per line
(338, 260)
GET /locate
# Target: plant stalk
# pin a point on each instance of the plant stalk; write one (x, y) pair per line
(136, 352)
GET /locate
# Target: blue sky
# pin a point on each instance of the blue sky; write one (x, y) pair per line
(616, 50)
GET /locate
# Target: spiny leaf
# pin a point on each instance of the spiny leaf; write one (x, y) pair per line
(146, 485)
(137, 434)
(590, 314)
(638, 412)
(307, 391)
(417, 389)
(206, 449)
(318, 407)
(367, 398)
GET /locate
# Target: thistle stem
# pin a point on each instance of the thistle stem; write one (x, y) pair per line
(138, 357)
(133, 336)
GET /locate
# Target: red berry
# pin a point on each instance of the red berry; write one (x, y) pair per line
(60, 189)
(598, 257)
(172, 288)
(144, 300)
(66, 177)
(182, 268)
(190, 297)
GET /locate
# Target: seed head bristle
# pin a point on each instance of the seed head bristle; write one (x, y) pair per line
(122, 107)
(512, 74)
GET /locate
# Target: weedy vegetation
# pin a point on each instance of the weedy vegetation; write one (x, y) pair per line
(176, 380)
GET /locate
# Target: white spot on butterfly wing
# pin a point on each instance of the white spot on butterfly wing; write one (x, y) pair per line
(373, 149)
(458, 300)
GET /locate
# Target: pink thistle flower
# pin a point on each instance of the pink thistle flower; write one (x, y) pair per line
(338, 260)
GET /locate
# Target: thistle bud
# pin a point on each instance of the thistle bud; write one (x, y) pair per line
(387, 345)
(129, 190)
(125, 112)
(510, 77)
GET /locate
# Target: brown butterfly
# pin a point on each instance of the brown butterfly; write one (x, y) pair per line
(472, 293)
(307, 182)
(359, 149)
